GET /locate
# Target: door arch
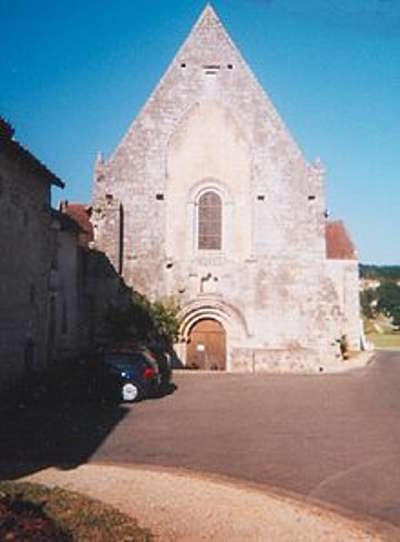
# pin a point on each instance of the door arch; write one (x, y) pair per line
(206, 347)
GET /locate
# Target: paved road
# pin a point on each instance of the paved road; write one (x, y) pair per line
(332, 438)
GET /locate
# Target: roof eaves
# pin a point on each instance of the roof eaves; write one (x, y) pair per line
(7, 136)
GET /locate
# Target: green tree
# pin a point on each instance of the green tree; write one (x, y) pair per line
(380, 272)
(144, 321)
(367, 298)
(165, 319)
(388, 295)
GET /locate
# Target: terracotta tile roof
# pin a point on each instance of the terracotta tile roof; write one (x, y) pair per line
(65, 221)
(80, 213)
(339, 246)
(7, 140)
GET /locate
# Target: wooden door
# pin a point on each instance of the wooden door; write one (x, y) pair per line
(206, 348)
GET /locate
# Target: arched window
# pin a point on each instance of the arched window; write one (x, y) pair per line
(210, 221)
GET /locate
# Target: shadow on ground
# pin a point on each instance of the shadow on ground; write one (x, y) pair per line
(65, 435)
(57, 427)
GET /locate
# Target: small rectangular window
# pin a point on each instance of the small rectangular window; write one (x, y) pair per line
(160, 197)
(211, 69)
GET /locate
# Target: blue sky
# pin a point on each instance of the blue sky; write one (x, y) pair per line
(73, 75)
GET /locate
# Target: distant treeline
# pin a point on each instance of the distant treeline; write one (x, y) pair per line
(382, 272)
(386, 298)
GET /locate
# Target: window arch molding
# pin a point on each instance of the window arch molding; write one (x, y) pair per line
(213, 185)
(200, 189)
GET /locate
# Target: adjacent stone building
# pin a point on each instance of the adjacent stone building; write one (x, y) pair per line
(209, 200)
(88, 285)
(27, 258)
(66, 289)
(54, 290)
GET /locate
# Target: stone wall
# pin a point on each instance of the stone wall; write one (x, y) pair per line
(108, 226)
(295, 360)
(65, 291)
(209, 125)
(345, 277)
(243, 144)
(25, 262)
(102, 288)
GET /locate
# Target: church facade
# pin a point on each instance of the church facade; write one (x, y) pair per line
(208, 200)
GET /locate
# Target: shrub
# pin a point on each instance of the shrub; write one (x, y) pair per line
(144, 321)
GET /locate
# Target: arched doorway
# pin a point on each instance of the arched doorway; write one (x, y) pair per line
(206, 348)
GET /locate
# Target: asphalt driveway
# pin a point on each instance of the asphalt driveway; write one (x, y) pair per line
(331, 438)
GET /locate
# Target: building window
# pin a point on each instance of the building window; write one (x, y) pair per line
(210, 221)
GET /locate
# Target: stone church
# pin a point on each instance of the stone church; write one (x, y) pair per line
(208, 200)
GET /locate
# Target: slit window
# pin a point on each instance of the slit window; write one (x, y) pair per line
(211, 69)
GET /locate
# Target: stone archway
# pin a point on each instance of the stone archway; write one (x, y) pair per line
(214, 309)
(206, 347)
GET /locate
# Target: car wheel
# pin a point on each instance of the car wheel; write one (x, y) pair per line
(130, 392)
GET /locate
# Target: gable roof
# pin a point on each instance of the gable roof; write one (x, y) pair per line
(7, 140)
(339, 245)
(211, 40)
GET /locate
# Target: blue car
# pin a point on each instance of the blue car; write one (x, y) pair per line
(127, 375)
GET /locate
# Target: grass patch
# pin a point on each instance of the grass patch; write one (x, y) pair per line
(385, 340)
(69, 516)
